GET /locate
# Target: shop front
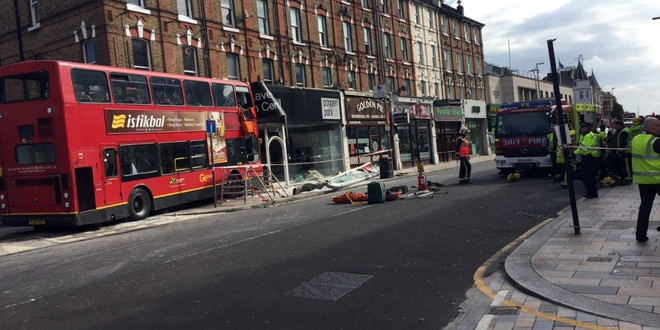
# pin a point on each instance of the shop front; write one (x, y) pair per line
(367, 129)
(412, 119)
(311, 137)
(448, 117)
(475, 115)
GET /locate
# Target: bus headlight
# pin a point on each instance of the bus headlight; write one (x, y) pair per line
(66, 204)
(66, 195)
(2, 206)
(2, 197)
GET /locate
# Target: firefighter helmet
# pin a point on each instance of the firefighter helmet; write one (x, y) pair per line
(608, 181)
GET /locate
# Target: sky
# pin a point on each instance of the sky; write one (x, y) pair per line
(616, 39)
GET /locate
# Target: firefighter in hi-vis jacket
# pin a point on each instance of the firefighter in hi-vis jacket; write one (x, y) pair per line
(463, 153)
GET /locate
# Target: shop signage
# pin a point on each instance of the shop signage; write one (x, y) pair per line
(366, 111)
(448, 113)
(330, 109)
(402, 118)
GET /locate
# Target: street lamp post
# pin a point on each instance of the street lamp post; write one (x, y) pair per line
(538, 84)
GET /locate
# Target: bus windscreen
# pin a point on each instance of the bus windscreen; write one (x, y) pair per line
(516, 124)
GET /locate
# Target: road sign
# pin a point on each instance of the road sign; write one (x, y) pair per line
(211, 127)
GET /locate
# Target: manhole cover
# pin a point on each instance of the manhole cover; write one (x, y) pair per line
(329, 286)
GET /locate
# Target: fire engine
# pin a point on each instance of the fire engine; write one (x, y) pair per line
(521, 135)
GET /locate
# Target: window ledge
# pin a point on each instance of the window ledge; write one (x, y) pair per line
(230, 29)
(265, 36)
(138, 9)
(184, 18)
(298, 43)
(371, 57)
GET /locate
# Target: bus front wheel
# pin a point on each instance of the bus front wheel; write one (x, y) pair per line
(139, 204)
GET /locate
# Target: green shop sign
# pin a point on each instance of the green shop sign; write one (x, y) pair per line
(448, 113)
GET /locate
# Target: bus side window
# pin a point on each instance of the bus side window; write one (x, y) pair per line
(198, 154)
(223, 95)
(174, 157)
(129, 88)
(197, 93)
(166, 91)
(90, 86)
(110, 162)
(138, 159)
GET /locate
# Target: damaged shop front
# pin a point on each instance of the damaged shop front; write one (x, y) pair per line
(309, 144)
(367, 128)
(448, 115)
(412, 119)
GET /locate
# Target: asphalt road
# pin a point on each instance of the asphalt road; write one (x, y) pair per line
(309, 264)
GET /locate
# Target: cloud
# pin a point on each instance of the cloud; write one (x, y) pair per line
(616, 39)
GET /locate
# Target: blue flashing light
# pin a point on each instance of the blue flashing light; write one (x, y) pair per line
(529, 104)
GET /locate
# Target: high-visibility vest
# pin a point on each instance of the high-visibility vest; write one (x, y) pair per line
(464, 149)
(588, 144)
(629, 137)
(645, 161)
(551, 141)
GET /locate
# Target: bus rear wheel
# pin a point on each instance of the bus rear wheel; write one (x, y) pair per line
(139, 204)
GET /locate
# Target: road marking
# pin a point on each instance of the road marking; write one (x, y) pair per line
(484, 323)
(499, 298)
(481, 285)
(222, 246)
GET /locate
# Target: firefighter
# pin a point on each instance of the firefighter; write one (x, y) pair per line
(463, 153)
(589, 153)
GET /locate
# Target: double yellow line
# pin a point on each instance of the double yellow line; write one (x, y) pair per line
(481, 285)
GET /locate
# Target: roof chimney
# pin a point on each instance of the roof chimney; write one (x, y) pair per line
(460, 8)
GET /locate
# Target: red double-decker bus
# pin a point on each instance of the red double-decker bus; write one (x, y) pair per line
(83, 144)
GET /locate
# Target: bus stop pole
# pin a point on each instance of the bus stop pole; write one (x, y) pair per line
(559, 112)
(215, 190)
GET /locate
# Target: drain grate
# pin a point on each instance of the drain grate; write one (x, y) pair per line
(530, 215)
(599, 259)
(504, 310)
(329, 286)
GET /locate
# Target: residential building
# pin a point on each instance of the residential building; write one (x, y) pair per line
(322, 59)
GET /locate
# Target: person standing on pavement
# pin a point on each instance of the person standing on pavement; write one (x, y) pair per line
(463, 153)
(588, 152)
(645, 151)
(615, 160)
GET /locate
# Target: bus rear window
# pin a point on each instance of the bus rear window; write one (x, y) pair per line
(39, 153)
(24, 87)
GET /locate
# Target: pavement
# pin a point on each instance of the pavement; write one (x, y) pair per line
(553, 278)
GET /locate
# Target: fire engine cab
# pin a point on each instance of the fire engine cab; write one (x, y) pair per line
(521, 135)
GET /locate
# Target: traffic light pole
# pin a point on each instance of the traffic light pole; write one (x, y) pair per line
(559, 112)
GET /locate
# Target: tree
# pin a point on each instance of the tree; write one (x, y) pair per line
(617, 111)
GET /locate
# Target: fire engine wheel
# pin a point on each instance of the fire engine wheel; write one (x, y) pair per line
(139, 203)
